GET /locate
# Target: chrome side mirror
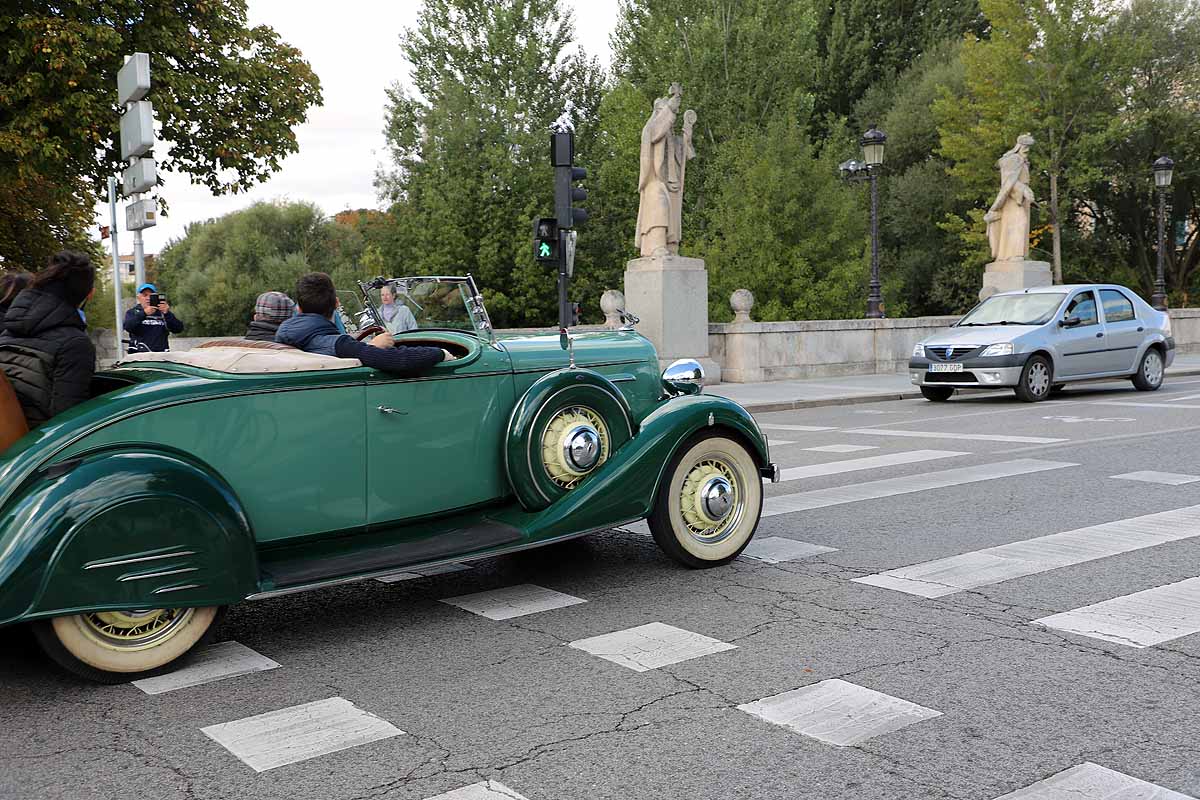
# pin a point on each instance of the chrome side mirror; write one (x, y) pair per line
(684, 376)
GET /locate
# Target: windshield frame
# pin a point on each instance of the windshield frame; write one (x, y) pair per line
(481, 322)
(1046, 317)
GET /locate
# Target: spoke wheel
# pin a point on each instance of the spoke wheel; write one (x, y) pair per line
(118, 646)
(708, 502)
(576, 441)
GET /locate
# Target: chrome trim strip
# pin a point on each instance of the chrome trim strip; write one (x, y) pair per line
(123, 561)
(166, 589)
(144, 575)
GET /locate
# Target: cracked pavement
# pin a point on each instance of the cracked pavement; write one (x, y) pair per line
(510, 702)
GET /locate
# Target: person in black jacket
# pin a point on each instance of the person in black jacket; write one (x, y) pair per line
(149, 325)
(45, 350)
(270, 311)
(314, 332)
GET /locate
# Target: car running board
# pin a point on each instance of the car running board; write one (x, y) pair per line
(483, 535)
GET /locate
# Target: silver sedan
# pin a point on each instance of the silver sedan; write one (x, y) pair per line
(1037, 340)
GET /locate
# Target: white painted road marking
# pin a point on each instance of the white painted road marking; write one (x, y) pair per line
(808, 428)
(774, 549)
(1141, 619)
(422, 572)
(1032, 556)
(1135, 404)
(1090, 781)
(1185, 397)
(838, 712)
(213, 663)
(867, 462)
(890, 487)
(841, 448)
(968, 437)
(485, 790)
(651, 646)
(513, 601)
(1150, 476)
(276, 738)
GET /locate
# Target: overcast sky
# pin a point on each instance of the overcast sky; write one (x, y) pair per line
(356, 54)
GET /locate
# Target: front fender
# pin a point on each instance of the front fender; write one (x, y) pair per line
(625, 486)
(118, 529)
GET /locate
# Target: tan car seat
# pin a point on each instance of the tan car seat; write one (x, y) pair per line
(12, 418)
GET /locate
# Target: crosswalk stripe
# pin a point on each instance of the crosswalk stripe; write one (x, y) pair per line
(1135, 404)
(841, 448)
(1090, 780)
(890, 487)
(1153, 476)
(808, 428)
(967, 437)
(998, 564)
(298, 733)
(1141, 619)
(216, 662)
(867, 462)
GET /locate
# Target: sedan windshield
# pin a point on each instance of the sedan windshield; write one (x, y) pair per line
(1015, 309)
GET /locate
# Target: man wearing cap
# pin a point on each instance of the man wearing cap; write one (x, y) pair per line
(148, 326)
(270, 309)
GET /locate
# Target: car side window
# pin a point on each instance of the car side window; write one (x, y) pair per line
(1083, 305)
(1117, 307)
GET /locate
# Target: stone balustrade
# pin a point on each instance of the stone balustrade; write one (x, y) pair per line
(749, 352)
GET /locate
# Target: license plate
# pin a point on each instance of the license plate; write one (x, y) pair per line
(945, 367)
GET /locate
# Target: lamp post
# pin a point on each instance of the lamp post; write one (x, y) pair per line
(1162, 181)
(868, 170)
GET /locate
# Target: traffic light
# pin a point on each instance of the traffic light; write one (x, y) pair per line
(545, 240)
(562, 156)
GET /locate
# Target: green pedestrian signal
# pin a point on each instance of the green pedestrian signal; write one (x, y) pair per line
(545, 240)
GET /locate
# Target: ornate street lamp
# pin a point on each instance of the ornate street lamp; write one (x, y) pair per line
(1162, 181)
(872, 146)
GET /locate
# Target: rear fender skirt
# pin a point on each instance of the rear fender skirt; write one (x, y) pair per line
(123, 529)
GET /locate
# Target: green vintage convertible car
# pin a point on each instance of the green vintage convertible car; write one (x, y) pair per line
(241, 470)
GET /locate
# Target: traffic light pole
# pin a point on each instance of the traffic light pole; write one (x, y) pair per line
(564, 284)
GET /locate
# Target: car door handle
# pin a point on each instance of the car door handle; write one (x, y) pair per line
(1100, 335)
(1141, 329)
(390, 410)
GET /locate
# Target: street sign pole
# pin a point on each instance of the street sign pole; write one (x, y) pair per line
(119, 314)
(137, 140)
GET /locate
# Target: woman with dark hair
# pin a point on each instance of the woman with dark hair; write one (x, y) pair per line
(10, 286)
(45, 350)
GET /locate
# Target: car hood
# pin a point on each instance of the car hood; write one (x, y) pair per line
(534, 352)
(990, 334)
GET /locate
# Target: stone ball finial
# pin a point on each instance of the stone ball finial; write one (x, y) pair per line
(741, 302)
(612, 303)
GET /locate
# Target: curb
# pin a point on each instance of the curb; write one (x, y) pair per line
(858, 399)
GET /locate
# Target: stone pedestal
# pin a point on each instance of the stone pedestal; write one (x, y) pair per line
(1008, 276)
(670, 295)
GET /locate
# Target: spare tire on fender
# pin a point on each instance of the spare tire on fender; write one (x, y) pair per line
(565, 426)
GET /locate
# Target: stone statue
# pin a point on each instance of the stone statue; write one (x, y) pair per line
(1008, 218)
(664, 157)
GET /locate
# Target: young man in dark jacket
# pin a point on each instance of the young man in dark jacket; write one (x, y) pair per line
(45, 350)
(313, 332)
(271, 309)
(148, 325)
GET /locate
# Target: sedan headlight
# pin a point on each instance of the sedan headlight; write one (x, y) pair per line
(1002, 349)
(918, 350)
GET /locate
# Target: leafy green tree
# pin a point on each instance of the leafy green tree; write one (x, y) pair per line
(1047, 69)
(471, 146)
(226, 97)
(215, 272)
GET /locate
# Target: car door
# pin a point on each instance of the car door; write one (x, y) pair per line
(1123, 331)
(435, 443)
(1081, 346)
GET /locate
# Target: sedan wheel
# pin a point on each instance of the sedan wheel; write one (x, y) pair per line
(1036, 380)
(1150, 372)
(709, 502)
(118, 646)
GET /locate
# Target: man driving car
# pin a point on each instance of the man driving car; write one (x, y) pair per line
(313, 331)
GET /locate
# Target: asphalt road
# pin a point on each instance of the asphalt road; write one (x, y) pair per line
(922, 682)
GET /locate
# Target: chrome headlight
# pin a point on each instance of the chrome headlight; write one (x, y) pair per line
(918, 350)
(1001, 349)
(685, 376)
